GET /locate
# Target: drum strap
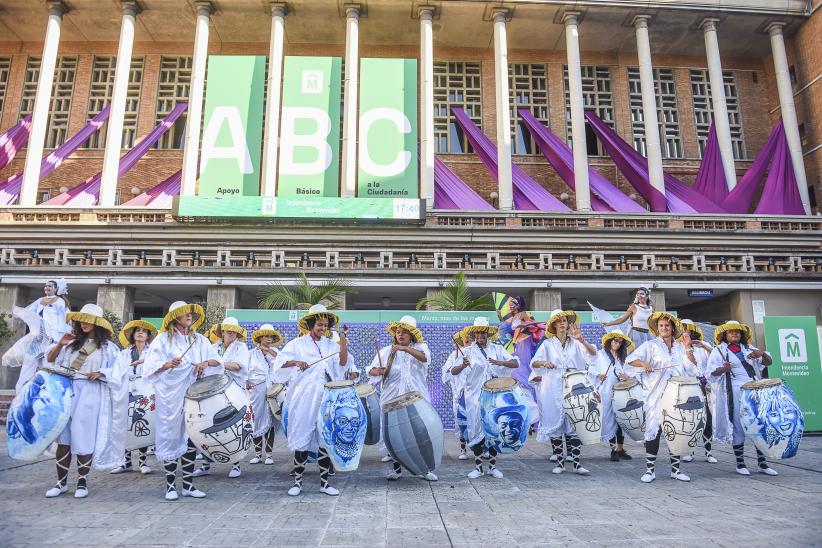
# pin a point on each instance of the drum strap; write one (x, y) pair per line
(388, 365)
(484, 355)
(88, 348)
(135, 354)
(729, 392)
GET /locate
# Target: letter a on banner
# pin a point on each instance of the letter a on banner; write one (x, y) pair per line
(232, 133)
(310, 127)
(388, 161)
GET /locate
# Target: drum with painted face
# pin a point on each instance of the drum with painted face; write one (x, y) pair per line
(504, 414)
(371, 402)
(581, 406)
(413, 433)
(275, 395)
(141, 414)
(683, 412)
(772, 418)
(342, 423)
(628, 409)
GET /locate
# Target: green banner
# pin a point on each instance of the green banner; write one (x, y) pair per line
(794, 343)
(233, 129)
(310, 127)
(388, 161)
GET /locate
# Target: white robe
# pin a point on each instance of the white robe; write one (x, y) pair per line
(602, 366)
(53, 316)
(305, 388)
(655, 352)
(573, 355)
(725, 429)
(455, 382)
(237, 352)
(260, 371)
(52, 326)
(120, 424)
(408, 374)
(171, 438)
(94, 407)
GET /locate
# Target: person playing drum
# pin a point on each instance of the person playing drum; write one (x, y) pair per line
(701, 350)
(639, 312)
(176, 358)
(307, 363)
(100, 384)
(229, 354)
(455, 382)
(654, 362)
(260, 366)
(733, 362)
(403, 368)
(135, 337)
(604, 374)
(567, 349)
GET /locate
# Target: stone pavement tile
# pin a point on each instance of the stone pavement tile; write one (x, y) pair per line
(409, 520)
(28, 534)
(539, 533)
(306, 520)
(163, 535)
(345, 519)
(82, 536)
(225, 537)
(601, 532)
(353, 537)
(304, 505)
(656, 529)
(182, 520)
(236, 520)
(413, 537)
(290, 537)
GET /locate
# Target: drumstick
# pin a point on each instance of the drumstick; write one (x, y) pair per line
(86, 375)
(322, 359)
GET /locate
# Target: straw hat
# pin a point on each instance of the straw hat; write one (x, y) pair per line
(696, 332)
(616, 333)
(93, 314)
(128, 329)
(409, 323)
(181, 308)
(732, 325)
(317, 311)
(231, 325)
(481, 325)
(656, 316)
(459, 338)
(211, 335)
(266, 330)
(572, 316)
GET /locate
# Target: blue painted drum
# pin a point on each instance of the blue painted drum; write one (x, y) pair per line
(342, 423)
(461, 417)
(413, 433)
(371, 402)
(504, 414)
(39, 413)
(772, 418)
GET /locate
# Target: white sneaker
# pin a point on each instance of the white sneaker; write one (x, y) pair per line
(393, 476)
(647, 477)
(80, 493)
(431, 476)
(255, 460)
(120, 470)
(553, 458)
(294, 491)
(680, 476)
(582, 471)
(474, 474)
(172, 495)
(386, 458)
(235, 473)
(330, 491)
(56, 491)
(495, 473)
(743, 471)
(558, 470)
(200, 472)
(145, 470)
(463, 456)
(269, 461)
(711, 459)
(768, 471)
(688, 458)
(194, 493)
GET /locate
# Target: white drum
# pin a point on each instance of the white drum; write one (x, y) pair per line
(141, 414)
(219, 418)
(683, 412)
(275, 396)
(628, 409)
(582, 407)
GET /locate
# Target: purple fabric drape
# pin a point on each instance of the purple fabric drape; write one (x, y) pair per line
(87, 193)
(161, 195)
(781, 194)
(528, 194)
(10, 189)
(710, 179)
(14, 139)
(604, 195)
(739, 200)
(451, 192)
(680, 197)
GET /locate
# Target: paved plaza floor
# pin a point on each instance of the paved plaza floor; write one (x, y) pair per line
(528, 507)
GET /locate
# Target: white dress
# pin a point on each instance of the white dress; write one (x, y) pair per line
(260, 369)
(237, 352)
(52, 326)
(171, 438)
(603, 366)
(675, 362)
(53, 316)
(455, 382)
(639, 319)
(408, 374)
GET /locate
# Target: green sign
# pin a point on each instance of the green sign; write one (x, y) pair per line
(310, 127)
(794, 343)
(388, 161)
(232, 133)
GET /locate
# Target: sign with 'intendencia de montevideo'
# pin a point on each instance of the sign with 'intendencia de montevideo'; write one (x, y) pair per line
(310, 128)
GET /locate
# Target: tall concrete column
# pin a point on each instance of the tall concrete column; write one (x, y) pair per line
(272, 106)
(118, 299)
(788, 109)
(503, 105)
(225, 296)
(11, 295)
(723, 128)
(42, 104)
(352, 68)
(191, 151)
(545, 299)
(114, 132)
(427, 105)
(658, 299)
(646, 77)
(580, 148)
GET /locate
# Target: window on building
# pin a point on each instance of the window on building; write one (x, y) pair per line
(5, 70)
(792, 74)
(174, 86)
(597, 97)
(703, 110)
(456, 84)
(803, 137)
(101, 92)
(528, 88)
(65, 72)
(667, 114)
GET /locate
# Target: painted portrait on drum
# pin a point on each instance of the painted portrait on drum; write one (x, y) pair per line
(38, 414)
(779, 421)
(344, 427)
(505, 422)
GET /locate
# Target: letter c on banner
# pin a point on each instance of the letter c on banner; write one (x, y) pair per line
(318, 140)
(403, 125)
(237, 150)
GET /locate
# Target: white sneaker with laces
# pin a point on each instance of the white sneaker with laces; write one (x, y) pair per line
(255, 460)
(688, 458)
(494, 472)
(711, 459)
(56, 491)
(200, 472)
(145, 470)
(463, 455)
(194, 493)
(393, 476)
(80, 493)
(680, 476)
(768, 471)
(294, 491)
(474, 474)
(330, 491)
(269, 461)
(553, 458)
(386, 458)
(120, 470)
(558, 470)
(172, 495)
(647, 477)
(431, 476)
(235, 473)
(582, 471)
(743, 471)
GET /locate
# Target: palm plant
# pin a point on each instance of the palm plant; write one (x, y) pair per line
(456, 296)
(304, 294)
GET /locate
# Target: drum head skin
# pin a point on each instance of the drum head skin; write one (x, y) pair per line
(365, 389)
(208, 386)
(57, 371)
(626, 385)
(339, 384)
(274, 389)
(684, 380)
(401, 401)
(499, 384)
(764, 383)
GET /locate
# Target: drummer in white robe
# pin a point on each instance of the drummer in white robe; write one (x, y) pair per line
(482, 360)
(701, 351)
(306, 364)
(654, 362)
(99, 386)
(261, 361)
(403, 368)
(456, 383)
(176, 358)
(135, 338)
(566, 349)
(607, 371)
(228, 355)
(733, 362)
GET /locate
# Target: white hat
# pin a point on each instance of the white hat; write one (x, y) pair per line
(90, 313)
